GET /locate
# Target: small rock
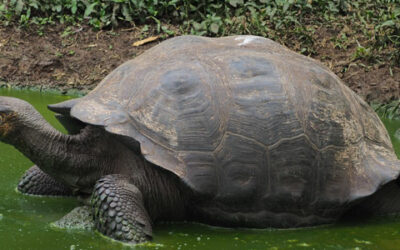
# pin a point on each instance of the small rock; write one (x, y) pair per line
(80, 218)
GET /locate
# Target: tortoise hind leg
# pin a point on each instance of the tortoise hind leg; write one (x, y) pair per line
(118, 210)
(385, 201)
(36, 182)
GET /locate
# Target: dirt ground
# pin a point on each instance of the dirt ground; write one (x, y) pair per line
(80, 58)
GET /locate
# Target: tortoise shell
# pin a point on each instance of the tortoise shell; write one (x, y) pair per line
(243, 119)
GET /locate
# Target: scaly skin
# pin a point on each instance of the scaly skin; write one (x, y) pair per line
(119, 211)
(37, 182)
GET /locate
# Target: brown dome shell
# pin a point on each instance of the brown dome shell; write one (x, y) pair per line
(244, 119)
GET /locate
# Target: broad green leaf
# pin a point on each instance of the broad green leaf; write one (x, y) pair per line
(235, 3)
(145, 28)
(34, 4)
(19, 7)
(197, 26)
(125, 12)
(58, 8)
(396, 12)
(89, 9)
(285, 7)
(214, 28)
(74, 6)
(387, 23)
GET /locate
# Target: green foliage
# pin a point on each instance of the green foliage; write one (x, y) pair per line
(390, 110)
(98, 13)
(284, 20)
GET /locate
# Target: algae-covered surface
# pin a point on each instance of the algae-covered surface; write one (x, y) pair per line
(25, 221)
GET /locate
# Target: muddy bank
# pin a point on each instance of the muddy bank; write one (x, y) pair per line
(57, 60)
(80, 58)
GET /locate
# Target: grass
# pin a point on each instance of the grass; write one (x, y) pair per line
(390, 110)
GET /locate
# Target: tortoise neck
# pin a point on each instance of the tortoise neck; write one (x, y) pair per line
(41, 143)
(64, 157)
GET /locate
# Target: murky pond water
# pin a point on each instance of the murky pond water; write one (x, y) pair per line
(24, 220)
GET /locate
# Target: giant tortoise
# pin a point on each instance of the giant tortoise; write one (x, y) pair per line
(235, 131)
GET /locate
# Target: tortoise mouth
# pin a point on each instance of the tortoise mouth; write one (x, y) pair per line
(6, 123)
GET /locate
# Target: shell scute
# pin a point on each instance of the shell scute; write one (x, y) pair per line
(238, 161)
(182, 110)
(291, 175)
(202, 172)
(250, 66)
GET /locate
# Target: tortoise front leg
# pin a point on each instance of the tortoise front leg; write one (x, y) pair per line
(37, 182)
(119, 211)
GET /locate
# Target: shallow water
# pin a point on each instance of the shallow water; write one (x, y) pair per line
(24, 220)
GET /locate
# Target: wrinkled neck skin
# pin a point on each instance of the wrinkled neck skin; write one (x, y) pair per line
(80, 160)
(70, 159)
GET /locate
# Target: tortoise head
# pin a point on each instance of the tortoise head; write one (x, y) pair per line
(14, 114)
